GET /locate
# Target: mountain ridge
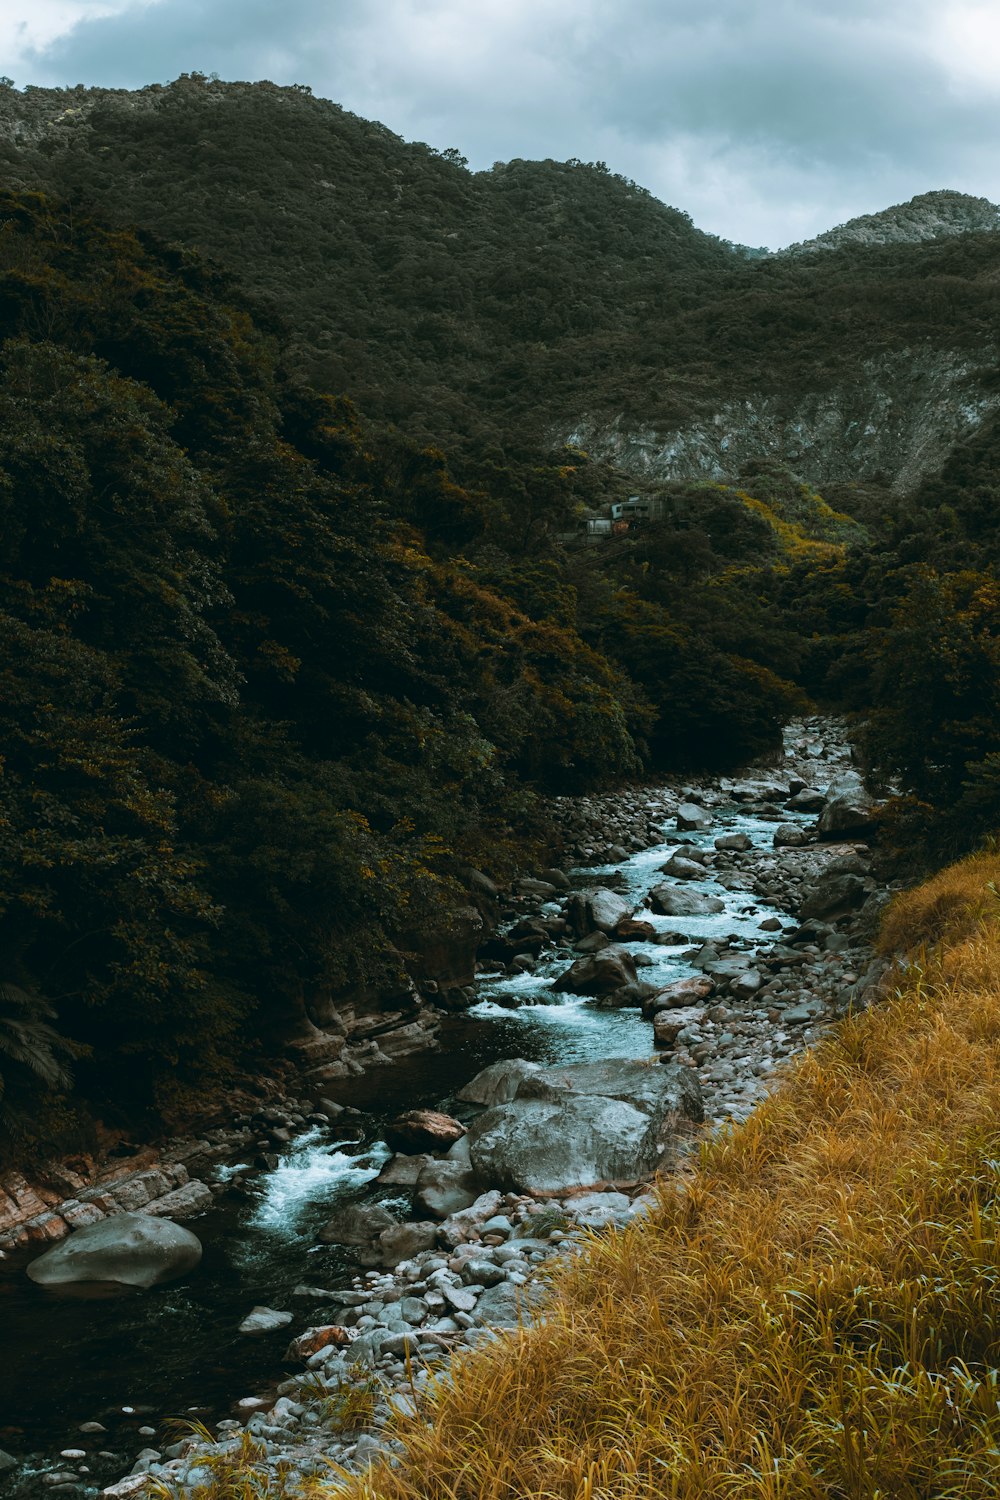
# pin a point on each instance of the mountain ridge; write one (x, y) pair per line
(513, 308)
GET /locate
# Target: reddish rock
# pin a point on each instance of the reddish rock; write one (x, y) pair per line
(331, 1335)
(631, 931)
(423, 1130)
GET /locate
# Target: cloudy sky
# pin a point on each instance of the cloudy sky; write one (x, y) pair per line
(767, 120)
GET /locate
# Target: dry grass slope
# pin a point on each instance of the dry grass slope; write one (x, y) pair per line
(812, 1313)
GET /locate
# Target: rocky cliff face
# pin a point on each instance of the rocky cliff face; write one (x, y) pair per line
(899, 418)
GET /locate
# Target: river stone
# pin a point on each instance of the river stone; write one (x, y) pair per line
(667, 1024)
(505, 1305)
(676, 901)
(582, 1125)
(444, 1188)
(401, 1242)
(423, 1130)
(264, 1320)
(631, 931)
(133, 1249)
(682, 992)
(834, 894)
(739, 843)
(691, 817)
(193, 1198)
(806, 800)
(498, 1083)
(789, 836)
(7, 1461)
(684, 869)
(127, 1488)
(599, 973)
(849, 808)
(402, 1171)
(599, 910)
(356, 1224)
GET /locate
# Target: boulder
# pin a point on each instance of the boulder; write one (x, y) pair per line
(631, 931)
(834, 895)
(790, 836)
(356, 1224)
(447, 954)
(401, 1242)
(133, 1249)
(423, 1130)
(738, 843)
(668, 1024)
(593, 942)
(806, 800)
(676, 901)
(684, 869)
(264, 1320)
(599, 973)
(193, 1198)
(691, 817)
(582, 1125)
(849, 809)
(498, 1083)
(600, 910)
(682, 993)
(507, 1305)
(444, 1188)
(402, 1171)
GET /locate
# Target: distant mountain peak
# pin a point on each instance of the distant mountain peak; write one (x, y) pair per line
(929, 216)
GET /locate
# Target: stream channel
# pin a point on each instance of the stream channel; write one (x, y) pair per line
(134, 1361)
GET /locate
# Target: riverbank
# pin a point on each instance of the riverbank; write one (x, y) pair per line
(691, 898)
(810, 1312)
(730, 1009)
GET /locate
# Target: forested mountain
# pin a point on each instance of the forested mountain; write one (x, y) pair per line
(297, 628)
(510, 306)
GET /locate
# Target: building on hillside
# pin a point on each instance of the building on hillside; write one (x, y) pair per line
(638, 508)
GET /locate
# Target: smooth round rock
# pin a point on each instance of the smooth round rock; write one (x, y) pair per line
(133, 1249)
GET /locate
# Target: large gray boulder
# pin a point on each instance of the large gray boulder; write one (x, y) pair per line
(597, 911)
(498, 1083)
(599, 973)
(444, 1188)
(356, 1224)
(678, 901)
(681, 868)
(849, 808)
(691, 817)
(834, 895)
(582, 1125)
(133, 1249)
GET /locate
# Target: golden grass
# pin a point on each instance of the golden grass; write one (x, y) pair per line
(814, 1311)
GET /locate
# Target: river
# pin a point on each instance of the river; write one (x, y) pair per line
(134, 1361)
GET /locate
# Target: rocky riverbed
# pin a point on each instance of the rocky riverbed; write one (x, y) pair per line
(693, 939)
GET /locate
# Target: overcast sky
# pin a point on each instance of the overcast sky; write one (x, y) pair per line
(766, 120)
